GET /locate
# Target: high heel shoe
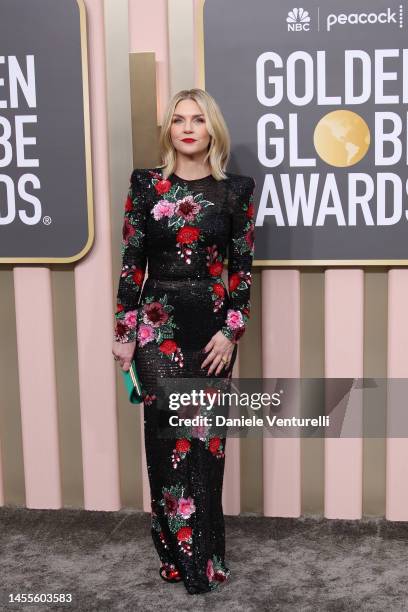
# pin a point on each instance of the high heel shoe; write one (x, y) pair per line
(169, 573)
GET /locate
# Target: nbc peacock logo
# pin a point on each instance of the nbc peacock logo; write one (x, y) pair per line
(298, 20)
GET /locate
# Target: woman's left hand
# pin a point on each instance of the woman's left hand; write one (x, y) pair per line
(219, 348)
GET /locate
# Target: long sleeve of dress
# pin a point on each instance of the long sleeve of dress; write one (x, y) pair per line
(240, 256)
(133, 262)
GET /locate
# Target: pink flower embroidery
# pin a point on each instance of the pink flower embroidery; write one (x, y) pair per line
(149, 399)
(186, 507)
(145, 334)
(210, 570)
(131, 318)
(163, 208)
(187, 208)
(234, 319)
(212, 254)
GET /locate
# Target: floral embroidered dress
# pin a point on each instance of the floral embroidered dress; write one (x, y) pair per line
(182, 231)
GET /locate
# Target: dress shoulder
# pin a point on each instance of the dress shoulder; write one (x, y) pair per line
(240, 180)
(241, 184)
(141, 174)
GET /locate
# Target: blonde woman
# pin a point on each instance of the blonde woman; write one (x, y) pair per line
(184, 218)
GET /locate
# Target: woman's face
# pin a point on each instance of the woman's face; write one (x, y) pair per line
(189, 132)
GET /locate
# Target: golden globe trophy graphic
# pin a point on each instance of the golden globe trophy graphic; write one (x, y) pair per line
(341, 138)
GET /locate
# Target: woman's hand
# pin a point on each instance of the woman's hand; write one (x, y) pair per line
(123, 352)
(219, 350)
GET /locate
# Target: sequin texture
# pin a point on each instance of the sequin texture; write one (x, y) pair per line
(181, 232)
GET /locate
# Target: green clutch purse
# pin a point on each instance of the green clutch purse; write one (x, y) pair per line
(132, 384)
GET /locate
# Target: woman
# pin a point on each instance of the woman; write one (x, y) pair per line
(181, 218)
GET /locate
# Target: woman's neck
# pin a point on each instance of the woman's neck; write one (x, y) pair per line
(191, 169)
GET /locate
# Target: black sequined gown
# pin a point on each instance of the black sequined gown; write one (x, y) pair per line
(183, 230)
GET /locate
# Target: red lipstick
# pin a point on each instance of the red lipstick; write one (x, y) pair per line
(188, 140)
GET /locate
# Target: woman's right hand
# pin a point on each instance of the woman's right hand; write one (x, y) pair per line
(123, 353)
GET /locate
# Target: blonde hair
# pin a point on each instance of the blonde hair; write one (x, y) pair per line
(220, 144)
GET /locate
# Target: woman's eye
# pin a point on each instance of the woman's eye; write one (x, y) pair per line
(199, 119)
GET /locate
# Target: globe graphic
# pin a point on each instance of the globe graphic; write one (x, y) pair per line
(341, 138)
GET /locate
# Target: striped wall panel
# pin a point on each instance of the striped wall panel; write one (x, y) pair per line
(344, 292)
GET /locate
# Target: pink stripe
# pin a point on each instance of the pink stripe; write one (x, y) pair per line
(198, 9)
(281, 359)
(344, 326)
(94, 307)
(397, 448)
(148, 32)
(38, 394)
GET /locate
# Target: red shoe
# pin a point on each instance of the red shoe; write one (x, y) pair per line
(169, 573)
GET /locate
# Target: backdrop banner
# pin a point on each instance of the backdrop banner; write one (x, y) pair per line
(316, 101)
(46, 210)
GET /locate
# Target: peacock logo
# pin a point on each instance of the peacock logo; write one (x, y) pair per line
(298, 20)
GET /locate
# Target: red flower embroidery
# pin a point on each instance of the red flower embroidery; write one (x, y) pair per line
(219, 577)
(162, 186)
(127, 230)
(215, 268)
(182, 448)
(119, 308)
(187, 234)
(168, 347)
(183, 445)
(249, 237)
(187, 208)
(128, 204)
(170, 504)
(184, 534)
(121, 329)
(250, 211)
(138, 276)
(214, 445)
(219, 290)
(234, 281)
(154, 314)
